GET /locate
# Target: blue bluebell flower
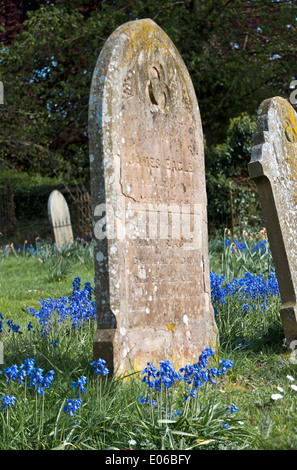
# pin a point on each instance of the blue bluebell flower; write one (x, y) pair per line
(79, 307)
(193, 393)
(150, 374)
(146, 400)
(250, 290)
(99, 367)
(225, 425)
(29, 365)
(168, 374)
(36, 380)
(48, 378)
(72, 406)
(22, 374)
(261, 246)
(237, 246)
(214, 371)
(80, 384)
(11, 372)
(30, 326)
(76, 284)
(12, 326)
(8, 401)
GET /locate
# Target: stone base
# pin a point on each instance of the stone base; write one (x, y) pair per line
(289, 322)
(127, 350)
(103, 346)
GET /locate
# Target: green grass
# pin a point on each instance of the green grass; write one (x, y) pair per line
(25, 280)
(118, 420)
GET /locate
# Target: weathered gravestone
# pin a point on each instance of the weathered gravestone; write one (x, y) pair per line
(59, 217)
(149, 203)
(273, 166)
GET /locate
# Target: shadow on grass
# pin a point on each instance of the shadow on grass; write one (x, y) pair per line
(271, 341)
(67, 356)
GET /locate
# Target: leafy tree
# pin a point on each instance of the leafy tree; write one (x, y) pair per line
(237, 52)
(235, 152)
(232, 197)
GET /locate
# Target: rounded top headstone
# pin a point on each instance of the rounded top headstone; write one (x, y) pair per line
(143, 109)
(59, 217)
(57, 207)
(147, 170)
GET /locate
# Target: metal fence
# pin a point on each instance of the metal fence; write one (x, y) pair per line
(83, 214)
(8, 220)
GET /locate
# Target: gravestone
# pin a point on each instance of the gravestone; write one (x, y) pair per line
(273, 166)
(59, 217)
(149, 204)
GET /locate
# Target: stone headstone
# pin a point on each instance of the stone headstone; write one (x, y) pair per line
(59, 217)
(273, 166)
(149, 204)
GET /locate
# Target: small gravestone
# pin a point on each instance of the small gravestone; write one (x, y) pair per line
(59, 217)
(273, 166)
(149, 204)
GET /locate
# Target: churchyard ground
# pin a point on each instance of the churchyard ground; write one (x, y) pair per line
(250, 403)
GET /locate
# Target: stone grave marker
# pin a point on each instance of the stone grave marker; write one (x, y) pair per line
(273, 166)
(149, 204)
(59, 217)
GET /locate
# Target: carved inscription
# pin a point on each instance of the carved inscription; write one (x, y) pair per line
(157, 89)
(154, 162)
(127, 85)
(159, 156)
(154, 277)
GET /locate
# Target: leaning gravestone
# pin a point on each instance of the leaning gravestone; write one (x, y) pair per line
(59, 217)
(273, 166)
(149, 203)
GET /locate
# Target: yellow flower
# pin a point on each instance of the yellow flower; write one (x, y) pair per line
(263, 233)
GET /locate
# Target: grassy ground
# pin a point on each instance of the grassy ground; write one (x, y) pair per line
(110, 414)
(26, 278)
